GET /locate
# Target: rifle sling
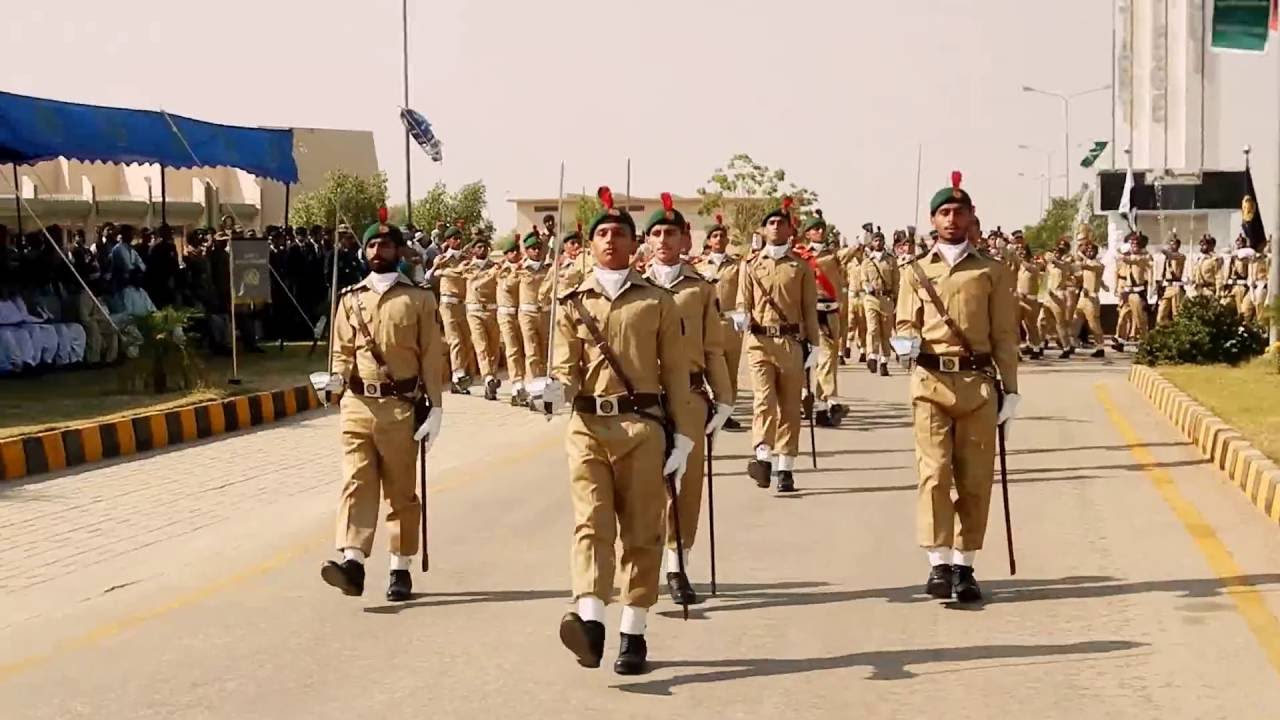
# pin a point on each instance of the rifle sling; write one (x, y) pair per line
(768, 298)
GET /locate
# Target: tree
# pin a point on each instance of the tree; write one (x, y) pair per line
(744, 191)
(1059, 220)
(359, 197)
(589, 206)
(468, 205)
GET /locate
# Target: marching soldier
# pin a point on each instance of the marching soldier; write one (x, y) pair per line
(574, 264)
(851, 258)
(449, 269)
(533, 305)
(1206, 273)
(826, 271)
(1175, 266)
(721, 269)
(482, 312)
(1089, 308)
(386, 341)
(1261, 275)
(1239, 281)
(509, 319)
(1028, 288)
(965, 383)
(712, 395)
(619, 357)
(1133, 278)
(879, 287)
(779, 296)
(1058, 303)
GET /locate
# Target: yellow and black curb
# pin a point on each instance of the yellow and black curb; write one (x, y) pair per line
(27, 455)
(1244, 465)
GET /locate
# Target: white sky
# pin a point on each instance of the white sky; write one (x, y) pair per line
(838, 92)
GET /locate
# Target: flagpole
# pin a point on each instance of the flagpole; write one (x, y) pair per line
(408, 175)
(915, 212)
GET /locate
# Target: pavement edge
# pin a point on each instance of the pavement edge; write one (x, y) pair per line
(28, 455)
(1243, 465)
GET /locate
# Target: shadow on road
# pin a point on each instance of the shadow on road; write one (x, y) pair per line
(884, 664)
(437, 600)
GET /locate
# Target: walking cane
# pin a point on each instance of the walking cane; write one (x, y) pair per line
(711, 509)
(422, 486)
(813, 437)
(1004, 487)
(675, 514)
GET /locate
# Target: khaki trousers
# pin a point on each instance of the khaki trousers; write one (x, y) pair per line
(954, 418)
(484, 336)
(1089, 310)
(732, 354)
(533, 327)
(1058, 307)
(378, 455)
(1243, 301)
(689, 490)
(879, 314)
(857, 326)
(1137, 307)
(777, 380)
(458, 337)
(101, 342)
(1029, 316)
(615, 482)
(824, 372)
(1124, 320)
(842, 332)
(512, 345)
(1170, 304)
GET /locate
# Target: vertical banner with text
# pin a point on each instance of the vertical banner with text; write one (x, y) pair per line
(250, 273)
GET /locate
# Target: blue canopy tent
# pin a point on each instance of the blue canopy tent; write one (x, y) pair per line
(35, 129)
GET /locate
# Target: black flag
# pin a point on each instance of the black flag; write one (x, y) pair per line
(1250, 217)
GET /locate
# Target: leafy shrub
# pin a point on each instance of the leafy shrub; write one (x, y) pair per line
(165, 360)
(1205, 331)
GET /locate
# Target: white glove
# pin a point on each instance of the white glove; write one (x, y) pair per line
(429, 431)
(679, 457)
(739, 320)
(1008, 412)
(548, 391)
(718, 419)
(906, 346)
(816, 354)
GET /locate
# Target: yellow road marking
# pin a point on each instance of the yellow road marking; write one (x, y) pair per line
(1248, 600)
(111, 629)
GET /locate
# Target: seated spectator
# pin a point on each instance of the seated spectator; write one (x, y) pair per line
(36, 343)
(48, 302)
(102, 342)
(131, 301)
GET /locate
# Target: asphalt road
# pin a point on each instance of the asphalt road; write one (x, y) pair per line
(184, 584)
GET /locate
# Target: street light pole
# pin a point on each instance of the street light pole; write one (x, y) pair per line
(408, 176)
(1066, 124)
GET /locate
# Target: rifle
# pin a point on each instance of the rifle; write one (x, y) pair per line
(422, 484)
(675, 515)
(711, 509)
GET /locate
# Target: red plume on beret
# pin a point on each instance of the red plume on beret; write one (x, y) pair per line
(579, 228)
(787, 202)
(606, 196)
(382, 214)
(719, 219)
(667, 203)
(955, 178)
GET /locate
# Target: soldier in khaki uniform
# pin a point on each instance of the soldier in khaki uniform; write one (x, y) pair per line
(1028, 297)
(1171, 275)
(449, 271)
(1239, 279)
(1133, 281)
(533, 305)
(1089, 308)
(481, 273)
(1206, 272)
(811, 248)
(1057, 302)
(955, 389)
(509, 318)
(879, 288)
(779, 295)
(851, 257)
(708, 375)
(721, 269)
(386, 344)
(573, 263)
(616, 442)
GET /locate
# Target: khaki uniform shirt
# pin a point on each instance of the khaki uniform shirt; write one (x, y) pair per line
(508, 284)
(1239, 271)
(1028, 279)
(1091, 276)
(1059, 274)
(532, 291)
(405, 330)
(642, 327)
(791, 284)
(1133, 271)
(978, 295)
(703, 330)
(725, 277)
(880, 275)
(1175, 267)
(852, 259)
(1207, 274)
(482, 284)
(452, 276)
(829, 264)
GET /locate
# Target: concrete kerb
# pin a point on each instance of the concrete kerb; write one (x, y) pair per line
(1243, 465)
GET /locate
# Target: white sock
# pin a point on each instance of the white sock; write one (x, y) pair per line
(401, 562)
(634, 620)
(488, 378)
(353, 554)
(590, 608)
(963, 557)
(786, 462)
(939, 556)
(672, 560)
(458, 375)
(763, 452)
(820, 405)
(516, 387)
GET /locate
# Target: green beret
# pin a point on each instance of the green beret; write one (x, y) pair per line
(782, 211)
(718, 225)
(949, 196)
(509, 245)
(572, 235)
(531, 239)
(664, 217)
(613, 215)
(380, 230)
(814, 223)
(451, 233)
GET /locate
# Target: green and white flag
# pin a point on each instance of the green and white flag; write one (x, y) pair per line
(1094, 153)
(1241, 25)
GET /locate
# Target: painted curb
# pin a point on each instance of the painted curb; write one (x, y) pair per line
(28, 455)
(1243, 465)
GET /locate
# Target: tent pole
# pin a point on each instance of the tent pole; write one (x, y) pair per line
(164, 199)
(287, 187)
(17, 199)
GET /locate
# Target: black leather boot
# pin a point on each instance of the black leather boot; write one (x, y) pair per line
(1117, 344)
(633, 655)
(401, 586)
(862, 357)
(1066, 354)
(939, 584)
(786, 483)
(491, 388)
(1099, 353)
(584, 638)
(732, 424)
(966, 586)
(519, 398)
(838, 413)
(823, 418)
(681, 591)
(871, 365)
(884, 369)
(347, 576)
(759, 470)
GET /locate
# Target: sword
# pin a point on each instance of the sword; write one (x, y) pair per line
(675, 514)
(1004, 487)
(711, 509)
(813, 437)
(553, 259)
(422, 485)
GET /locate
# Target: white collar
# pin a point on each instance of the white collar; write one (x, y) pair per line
(613, 282)
(532, 264)
(717, 259)
(382, 282)
(777, 252)
(665, 275)
(953, 254)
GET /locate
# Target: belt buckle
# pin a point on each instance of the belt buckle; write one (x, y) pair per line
(372, 390)
(948, 364)
(607, 407)
(774, 332)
